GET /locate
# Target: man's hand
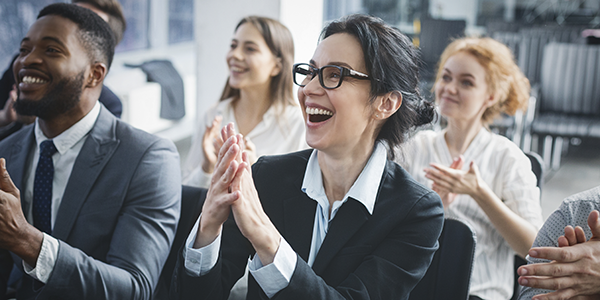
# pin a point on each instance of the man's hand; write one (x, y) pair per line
(574, 269)
(16, 235)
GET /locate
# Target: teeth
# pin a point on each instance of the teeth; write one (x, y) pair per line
(318, 111)
(236, 69)
(31, 79)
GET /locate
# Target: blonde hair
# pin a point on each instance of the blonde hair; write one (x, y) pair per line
(503, 77)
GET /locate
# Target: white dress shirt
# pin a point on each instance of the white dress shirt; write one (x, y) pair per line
(68, 144)
(276, 276)
(507, 171)
(275, 134)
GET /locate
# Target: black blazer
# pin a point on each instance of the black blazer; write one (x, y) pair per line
(379, 256)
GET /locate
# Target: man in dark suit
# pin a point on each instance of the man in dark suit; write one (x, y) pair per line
(95, 203)
(111, 12)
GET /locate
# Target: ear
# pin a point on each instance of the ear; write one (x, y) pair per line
(277, 68)
(387, 105)
(97, 73)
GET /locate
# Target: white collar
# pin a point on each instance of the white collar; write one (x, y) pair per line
(364, 189)
(68, 138)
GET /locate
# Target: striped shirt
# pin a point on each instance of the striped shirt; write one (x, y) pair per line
(507, 171)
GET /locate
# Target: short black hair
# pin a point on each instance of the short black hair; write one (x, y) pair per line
(393, 65)
(114, 10)
(95, 34)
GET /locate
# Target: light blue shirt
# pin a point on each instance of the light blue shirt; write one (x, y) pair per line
(274, 277)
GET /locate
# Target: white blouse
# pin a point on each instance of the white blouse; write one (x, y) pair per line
(507, 171)
(275, 134)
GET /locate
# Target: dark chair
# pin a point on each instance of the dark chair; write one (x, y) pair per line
(568, 98)
(449, 274)
(537, 166)
(192, 199)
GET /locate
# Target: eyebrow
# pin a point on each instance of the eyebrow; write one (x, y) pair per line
(245, 42)
(461, 75)
(46, 38)
(335, 63)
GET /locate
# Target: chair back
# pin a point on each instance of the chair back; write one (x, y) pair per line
(569, 79)
(537, 166)
(192, 199)
(449, 274)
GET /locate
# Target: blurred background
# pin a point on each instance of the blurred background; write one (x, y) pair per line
(554, 43)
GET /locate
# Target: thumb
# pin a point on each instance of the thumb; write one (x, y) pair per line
(6, 183)
(473, 169)
(594, 224)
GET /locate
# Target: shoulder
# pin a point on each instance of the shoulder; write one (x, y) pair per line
(579, 206)
(133, 140)
(396, 179)
(282, 164)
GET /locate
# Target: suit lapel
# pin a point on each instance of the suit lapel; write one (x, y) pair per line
(299, 218)
(348, 220)
(17, 163)
(95, 153)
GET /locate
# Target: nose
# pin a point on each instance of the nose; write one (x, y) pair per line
(313, 87)
(235, 53)
(27, 59)
(450, 87)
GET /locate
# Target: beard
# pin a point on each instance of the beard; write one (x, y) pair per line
(60, 99)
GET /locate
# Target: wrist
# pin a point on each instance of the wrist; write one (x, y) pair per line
(28, 244)
(267, 245)
(206, 234)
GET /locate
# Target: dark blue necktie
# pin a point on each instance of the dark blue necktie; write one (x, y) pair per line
(42, 188)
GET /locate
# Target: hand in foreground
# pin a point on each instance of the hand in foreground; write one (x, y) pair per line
(16, 234)
(574, 269)
(445, 194)
(211, 143)
(219, 198)
(456, 181)
(250, 217)
(8, 113)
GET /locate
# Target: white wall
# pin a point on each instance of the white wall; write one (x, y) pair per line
(215, 22)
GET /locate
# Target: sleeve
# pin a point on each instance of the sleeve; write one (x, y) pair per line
(276, 276)
(198, 262)
(46, 260)
(572, 213)
(391, 271)
(140, 241)
(520, 192)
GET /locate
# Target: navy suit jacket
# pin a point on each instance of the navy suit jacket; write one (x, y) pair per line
(117, 218)
(363, 256)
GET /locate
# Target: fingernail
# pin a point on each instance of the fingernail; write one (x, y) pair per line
(522, 272)
(524, 281)
(533, 253)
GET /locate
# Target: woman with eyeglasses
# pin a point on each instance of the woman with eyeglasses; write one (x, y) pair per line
(257, 98)
(341, 221)
(483, 179)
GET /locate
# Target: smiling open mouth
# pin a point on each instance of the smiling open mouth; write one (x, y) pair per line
(31, 79)
(316, 115)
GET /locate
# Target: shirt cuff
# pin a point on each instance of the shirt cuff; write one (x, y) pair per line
(46, 260)
(274, 277)
(200, 261)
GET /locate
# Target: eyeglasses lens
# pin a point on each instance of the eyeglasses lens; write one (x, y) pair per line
(331, 77)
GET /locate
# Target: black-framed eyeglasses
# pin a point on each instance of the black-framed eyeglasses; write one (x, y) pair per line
(330, 76)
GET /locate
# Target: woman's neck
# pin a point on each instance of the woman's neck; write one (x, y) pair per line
(250, 107)
(341, 171)
(460, 134)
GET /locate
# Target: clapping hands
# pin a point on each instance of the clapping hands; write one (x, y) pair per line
(232, 190)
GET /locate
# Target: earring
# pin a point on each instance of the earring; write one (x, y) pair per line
(377, 116)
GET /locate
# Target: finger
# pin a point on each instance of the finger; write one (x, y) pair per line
(580, 235)
(563, 241)
(557, 295)
(246, 160)
(553, 269)
(473, 169)
(242, 145)
(570, 235)
(548, 283)
(454, 163)
(461, 162)
(594, 223)
(6, 183)
(439, 178)
(224, 150)
(570, 254)
(441, 169)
